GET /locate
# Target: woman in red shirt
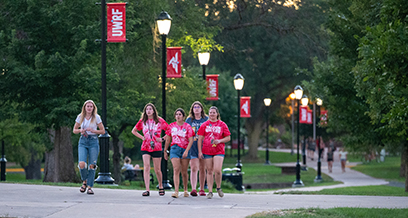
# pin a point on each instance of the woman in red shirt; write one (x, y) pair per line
(181, 135)
(212, 136)
(151, 125)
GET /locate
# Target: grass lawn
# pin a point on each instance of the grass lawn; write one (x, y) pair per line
(389, 169)
(339, 212)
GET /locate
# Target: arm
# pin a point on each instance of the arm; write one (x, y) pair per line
(223, 140)
(77, 130)
(166, 147)
(100, 131)
(190, 143)
(199, 146)
(137, 134)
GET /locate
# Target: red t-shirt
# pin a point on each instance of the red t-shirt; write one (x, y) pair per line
(180, 134)
(151, 131)
(212, 131)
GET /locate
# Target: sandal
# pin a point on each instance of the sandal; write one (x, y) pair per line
(83, 188)
(161, 191)
(90, 192)
(146, 193)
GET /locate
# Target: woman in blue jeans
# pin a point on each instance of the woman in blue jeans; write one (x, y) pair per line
(87, 124)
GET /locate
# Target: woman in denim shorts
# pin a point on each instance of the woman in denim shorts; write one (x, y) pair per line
(212, 135)
(87, 124)
(181, 135)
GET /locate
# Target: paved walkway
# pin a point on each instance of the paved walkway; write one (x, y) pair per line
(19, 200)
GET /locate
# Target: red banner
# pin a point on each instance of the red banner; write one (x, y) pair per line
(116, 21)
(245, 106)
(174, 62)
(212, 87)
(309, 117)
(323, 118)
(303, 114)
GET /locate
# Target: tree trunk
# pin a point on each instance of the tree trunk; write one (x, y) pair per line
(59, 162)
(254, 133)
(116, 159)
(33, 169)
(404, 157)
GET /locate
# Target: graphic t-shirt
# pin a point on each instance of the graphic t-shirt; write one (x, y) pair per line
(195, 124)
(87, 123)
(151, 132)
(179, 134)
(213, 131)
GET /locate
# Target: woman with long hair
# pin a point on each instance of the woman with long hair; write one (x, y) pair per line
(87, 124)
(151, 125)
(181, 135)
(213, 134)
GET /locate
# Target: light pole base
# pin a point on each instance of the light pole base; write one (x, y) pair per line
(166, 185)
(104, 179)
(297, 184)
(267, 162)
(318, 180)
(3, 161)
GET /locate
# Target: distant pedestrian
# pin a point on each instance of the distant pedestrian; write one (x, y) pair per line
(87, 124)
(343, 159)
(311, 147)
(181, 135)
(128, 166)
(330, 159)
(195, 119)
(151, 125)
(213, 134)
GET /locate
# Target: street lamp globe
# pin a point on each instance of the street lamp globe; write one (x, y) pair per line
(319, 101)
(298, 92)
(238, 82)
(164, 23)
(204, 58)
(267, 102)
(292, 96)
(305, 100)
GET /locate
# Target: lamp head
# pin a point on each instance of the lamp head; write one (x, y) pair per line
(204, 58)
(267, 101)
(319, 101)
(238, 82)
(164, 23)
(298, 92)
(305, 100)
(292, 96)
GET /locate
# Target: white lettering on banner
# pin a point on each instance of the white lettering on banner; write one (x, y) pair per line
(174, 62)
(213, 129)
(309, 117)
(304, 114)
(245, 107)
(213, 87)
(117, 22)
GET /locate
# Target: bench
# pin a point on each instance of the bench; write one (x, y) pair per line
(287, 169)
(136, 175)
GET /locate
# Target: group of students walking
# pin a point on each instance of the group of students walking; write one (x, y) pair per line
(198, 141)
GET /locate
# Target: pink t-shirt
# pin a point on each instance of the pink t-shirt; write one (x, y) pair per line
(151, 131)
(212, 131)
(180, 134)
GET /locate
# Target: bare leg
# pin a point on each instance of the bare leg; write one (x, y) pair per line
(157, 170)
(146, 171)
(218, 160)
(194, 163)
(184, 173)
(176, 173)
(210, 178)
(202, 174)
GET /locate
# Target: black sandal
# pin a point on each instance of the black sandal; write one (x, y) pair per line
(83, 188)
(146, 193)
(161, 191)
(90, 192)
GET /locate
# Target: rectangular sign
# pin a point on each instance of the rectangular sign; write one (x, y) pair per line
(212, 87)
(245, 105)
(309, 117)
(323, 118)
(303, 114)
(174, 62)
(116, 20)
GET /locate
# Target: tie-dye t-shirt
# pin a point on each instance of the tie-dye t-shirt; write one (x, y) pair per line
(213, 131)
(179, 134)
(151, 132)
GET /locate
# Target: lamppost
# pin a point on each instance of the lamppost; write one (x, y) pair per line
(239, 84)
(3, 162)
(298, 95)
(267, 102)
(204, 58)
(319, 178)
(292, 97)
(305, 102)
(164, 24)
(104, 174)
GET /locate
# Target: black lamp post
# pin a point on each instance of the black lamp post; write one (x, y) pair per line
(319, 178)
(292, 96)
(298, 93)
(267, 102)
(104, 174)
(305, 102)
(3, 162)
(204, 58)
(164, 24)
(239, 84)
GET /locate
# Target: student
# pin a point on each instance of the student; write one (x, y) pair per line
(87, 124)
(195, 119)
(330, 158)
(181, 135)
(213, 134)
(128, 166)
(151, 125)
(343, 159)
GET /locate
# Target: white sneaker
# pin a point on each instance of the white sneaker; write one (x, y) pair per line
(209, 195)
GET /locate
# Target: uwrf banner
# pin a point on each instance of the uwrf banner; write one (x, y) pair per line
(309, 116)
(116, 21)
(303, 114)
(174, 62)
(212, 87)
(323, 118)
(245, 105)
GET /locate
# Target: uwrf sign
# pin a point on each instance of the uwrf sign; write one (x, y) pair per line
(116, 22)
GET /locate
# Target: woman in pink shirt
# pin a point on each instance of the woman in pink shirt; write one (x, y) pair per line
(212, 135)
(181, 135)
(151, 125)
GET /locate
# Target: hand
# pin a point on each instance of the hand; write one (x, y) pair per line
(200, 155)
(217, 141)
(166, 156)
(185, 154)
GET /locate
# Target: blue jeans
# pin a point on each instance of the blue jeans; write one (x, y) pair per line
(177, 152)
(88, 149)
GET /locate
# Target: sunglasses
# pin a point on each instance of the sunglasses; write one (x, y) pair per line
(196, 107)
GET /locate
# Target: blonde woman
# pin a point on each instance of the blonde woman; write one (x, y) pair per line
(87, 124)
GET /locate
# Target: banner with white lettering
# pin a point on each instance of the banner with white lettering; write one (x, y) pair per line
(212, 87)
(309, 116)
(174, 62)
(303, 114)
(323, 118)
(116, 21)
(245, 104)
